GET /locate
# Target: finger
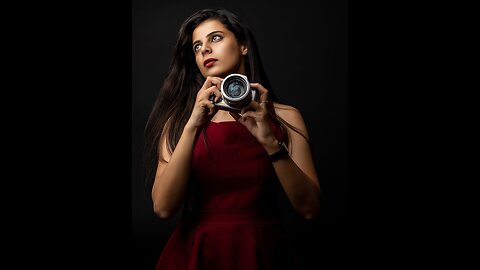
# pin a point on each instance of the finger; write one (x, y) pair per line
(256, 106)
(263, 104)
(209, 107)
(212, 109)
(252, 106)
(212, 90)
(211, 80)
(246, 108)
(262, 90)
(217, 93)
(250, 114)
(235, 115)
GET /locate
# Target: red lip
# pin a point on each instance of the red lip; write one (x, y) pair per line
(209, 60)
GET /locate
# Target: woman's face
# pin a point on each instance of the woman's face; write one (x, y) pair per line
(217, 52)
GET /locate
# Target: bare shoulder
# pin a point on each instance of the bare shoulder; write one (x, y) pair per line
(288, 113)
(292, 116)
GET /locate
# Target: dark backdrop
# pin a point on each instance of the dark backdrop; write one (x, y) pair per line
(304, 51)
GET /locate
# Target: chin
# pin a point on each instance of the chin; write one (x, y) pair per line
(217, 72)
(213, 73)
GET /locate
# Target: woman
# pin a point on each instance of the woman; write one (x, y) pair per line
(224, 166)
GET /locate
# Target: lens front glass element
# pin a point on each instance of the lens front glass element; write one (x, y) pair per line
(236, 88)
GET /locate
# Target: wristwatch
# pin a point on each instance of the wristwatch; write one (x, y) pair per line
(283, 152)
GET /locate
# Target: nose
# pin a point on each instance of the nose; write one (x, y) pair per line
(206, 49)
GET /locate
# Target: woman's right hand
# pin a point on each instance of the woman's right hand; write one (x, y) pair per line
(204, 109)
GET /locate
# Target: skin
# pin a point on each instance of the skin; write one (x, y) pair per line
(211, 39)
(296, 172)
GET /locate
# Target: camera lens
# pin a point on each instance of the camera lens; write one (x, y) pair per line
(235, 89)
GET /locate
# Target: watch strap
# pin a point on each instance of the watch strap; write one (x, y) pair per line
(283, 152)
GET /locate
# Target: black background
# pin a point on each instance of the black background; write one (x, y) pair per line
(304, 48)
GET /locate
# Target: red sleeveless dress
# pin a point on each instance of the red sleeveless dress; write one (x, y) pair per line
(234, 223)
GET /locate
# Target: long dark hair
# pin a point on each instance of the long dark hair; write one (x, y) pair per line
(176, 98)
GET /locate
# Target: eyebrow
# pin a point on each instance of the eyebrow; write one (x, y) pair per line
(209, 35)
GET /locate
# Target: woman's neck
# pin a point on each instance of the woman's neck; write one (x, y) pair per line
(222, 116)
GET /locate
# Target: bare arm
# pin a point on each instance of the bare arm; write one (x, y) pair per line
(296, 171)
(171, 178)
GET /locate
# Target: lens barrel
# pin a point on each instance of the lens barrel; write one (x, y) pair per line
(236, 90)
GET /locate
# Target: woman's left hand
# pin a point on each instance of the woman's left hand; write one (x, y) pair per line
(256, 119)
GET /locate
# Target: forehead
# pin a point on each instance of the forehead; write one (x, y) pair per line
(206, 27)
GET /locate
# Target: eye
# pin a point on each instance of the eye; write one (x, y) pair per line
(196, 47)
(216, 38)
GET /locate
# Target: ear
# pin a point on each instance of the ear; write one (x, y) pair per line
(244, 49)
